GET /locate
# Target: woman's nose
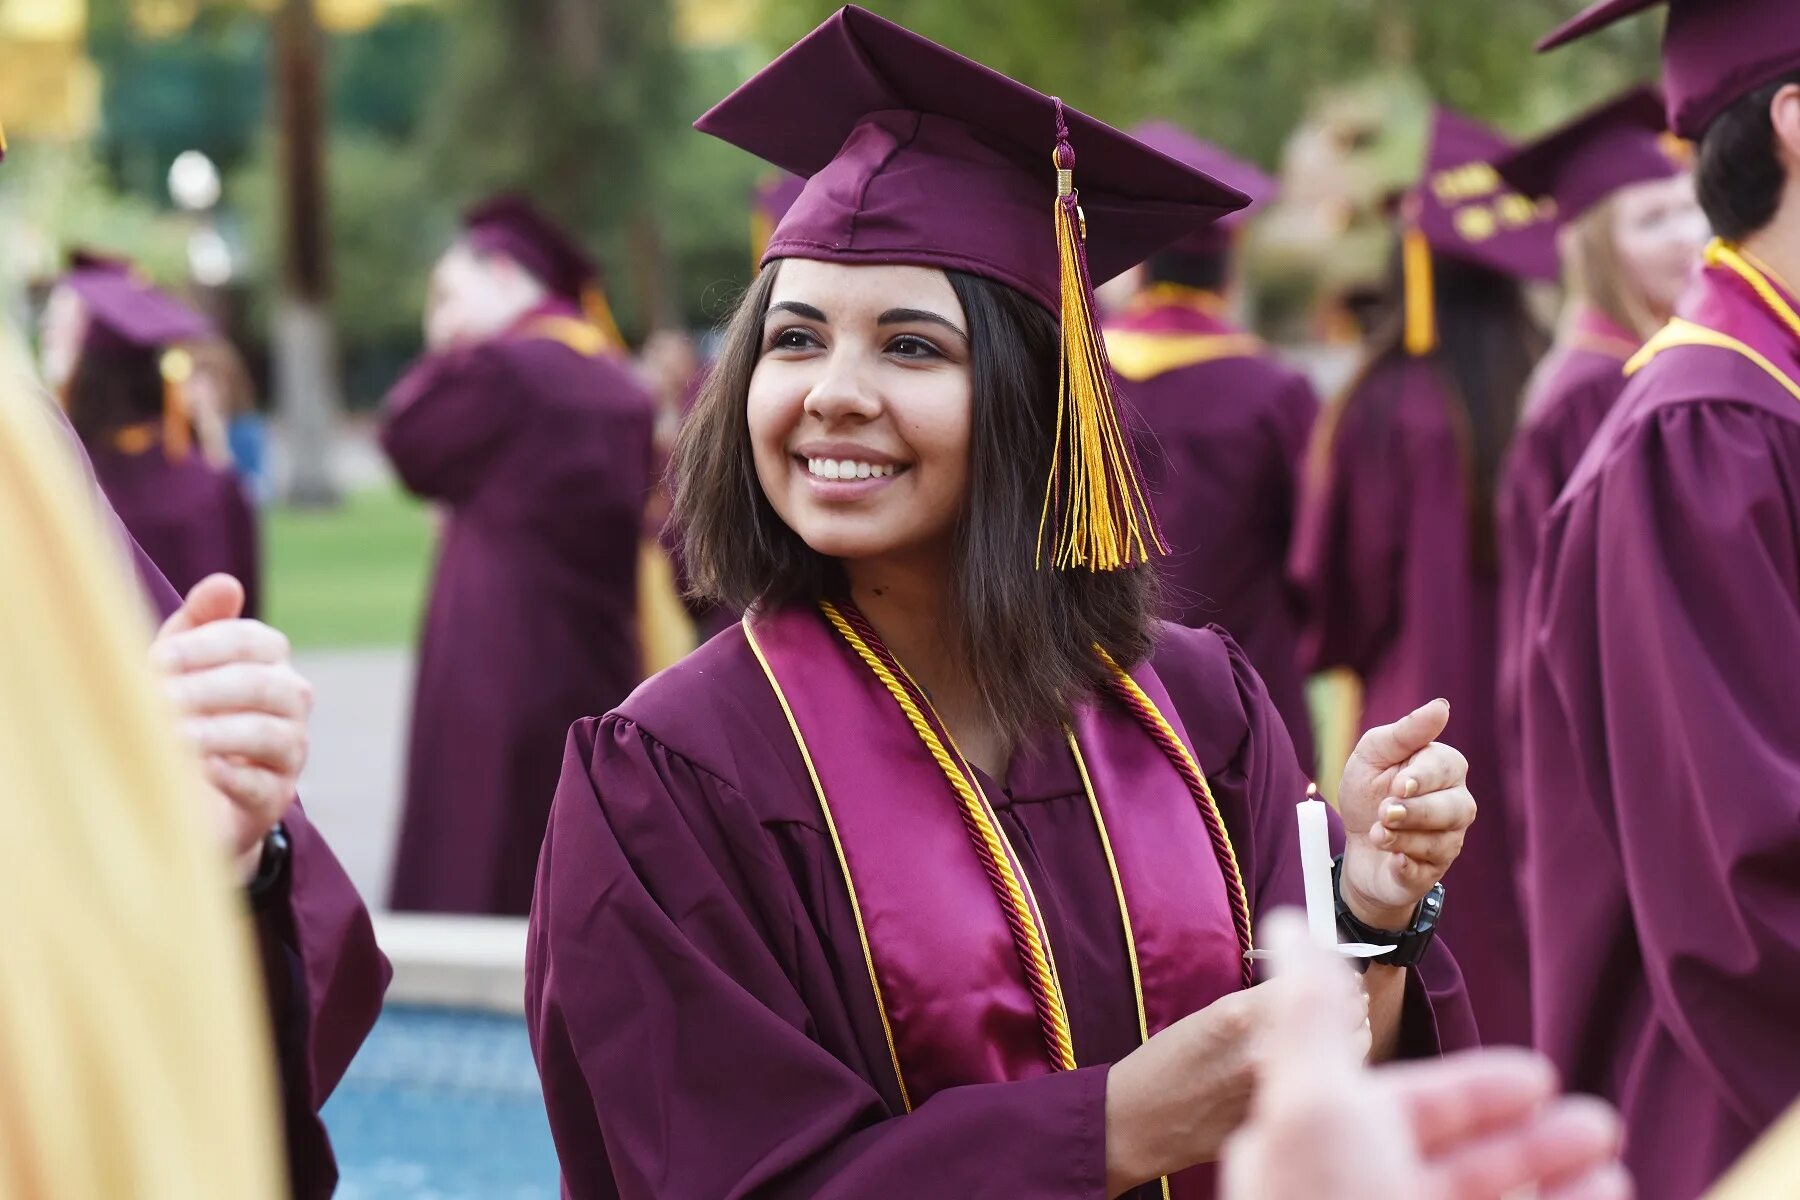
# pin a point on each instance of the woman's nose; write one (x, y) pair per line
(844, 392)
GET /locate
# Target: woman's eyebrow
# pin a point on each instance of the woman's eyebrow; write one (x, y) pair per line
(902, 316)
(799, 310)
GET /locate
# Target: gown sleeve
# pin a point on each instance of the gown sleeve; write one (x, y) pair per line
(1257, 785)
(449, 421)
(1672, 626)
(325, 978)
(678, 1057)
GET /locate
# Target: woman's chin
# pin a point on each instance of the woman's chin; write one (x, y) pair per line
(854, 540)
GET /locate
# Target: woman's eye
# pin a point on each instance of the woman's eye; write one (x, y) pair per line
(909, 346)
(793, 338)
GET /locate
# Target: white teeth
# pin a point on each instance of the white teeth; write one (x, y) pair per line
(844, 468)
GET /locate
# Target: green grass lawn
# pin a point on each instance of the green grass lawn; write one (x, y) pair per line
(350, 576)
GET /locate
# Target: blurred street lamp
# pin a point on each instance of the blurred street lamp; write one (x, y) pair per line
(210, 260)
(193, 181)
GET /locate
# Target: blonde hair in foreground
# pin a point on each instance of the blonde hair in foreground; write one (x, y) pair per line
(134, 1058)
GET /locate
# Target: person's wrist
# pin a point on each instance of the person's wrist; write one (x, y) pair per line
(1373, 911)
(1130, 1153)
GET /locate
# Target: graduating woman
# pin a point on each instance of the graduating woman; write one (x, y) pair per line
(113, 347)
(936, 875)
(1395, 545)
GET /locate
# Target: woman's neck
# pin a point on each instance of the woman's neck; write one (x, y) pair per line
(910, 604)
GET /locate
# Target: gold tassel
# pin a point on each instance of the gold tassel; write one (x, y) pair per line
(599, 314)
(177, 368)
(1095, 494)
(1420, 298)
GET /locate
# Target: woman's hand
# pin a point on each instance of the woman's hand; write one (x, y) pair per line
(1473, 1126)
(242, 706)
(1173, 1101)
(1406, 806)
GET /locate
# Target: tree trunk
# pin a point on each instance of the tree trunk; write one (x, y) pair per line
(307, 389)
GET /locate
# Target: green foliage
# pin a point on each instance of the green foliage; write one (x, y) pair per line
(1090, 52)
(204, 90)
(63, 196)
(705, 207)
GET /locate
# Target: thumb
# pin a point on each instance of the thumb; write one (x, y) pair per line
(1390, 745)
(215, 598)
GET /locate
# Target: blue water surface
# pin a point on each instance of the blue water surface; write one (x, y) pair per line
(442, 1105)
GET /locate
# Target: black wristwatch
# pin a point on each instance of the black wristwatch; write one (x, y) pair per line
(272, 866)
(1409, 944)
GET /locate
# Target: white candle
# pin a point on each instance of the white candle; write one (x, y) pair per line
(1315, 870)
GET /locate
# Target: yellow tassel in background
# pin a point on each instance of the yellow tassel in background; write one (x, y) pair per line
(177, 368)
(599, 313)
(1421, 297)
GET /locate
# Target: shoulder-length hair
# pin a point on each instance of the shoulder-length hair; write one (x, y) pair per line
(1025, 634)
(1597, 275)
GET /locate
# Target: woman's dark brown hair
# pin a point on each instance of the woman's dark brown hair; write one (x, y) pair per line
(1488, 345)
(108, 391)
(1025, 634)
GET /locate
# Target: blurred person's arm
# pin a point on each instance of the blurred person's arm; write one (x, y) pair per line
(449, 420)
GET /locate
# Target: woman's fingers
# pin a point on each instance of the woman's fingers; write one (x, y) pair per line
(1435, 812)
(1436, 768)
(218, 644)
(1388, 746)
(256, 798)
(1430, 849)
(1611, 1182)
(1568, 1139)
(1452, 1098)
(263, 740)
(258, 687)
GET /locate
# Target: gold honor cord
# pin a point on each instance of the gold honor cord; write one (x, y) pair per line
(1141, 706)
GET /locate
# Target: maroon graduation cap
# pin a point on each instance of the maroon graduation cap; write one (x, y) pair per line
(128, 317)
(1714, 51)
(913, 154)
(1463, 211)
(1171, 140)
(1615, 145)
(126, 313)
(512, 225)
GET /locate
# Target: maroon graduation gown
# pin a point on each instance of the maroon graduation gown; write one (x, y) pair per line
(542, 455)
(1228, 427)
(192, 518)
(1570, 394)
(1662, 754)
(323, 974)
(696, 991)
(1384, 551)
